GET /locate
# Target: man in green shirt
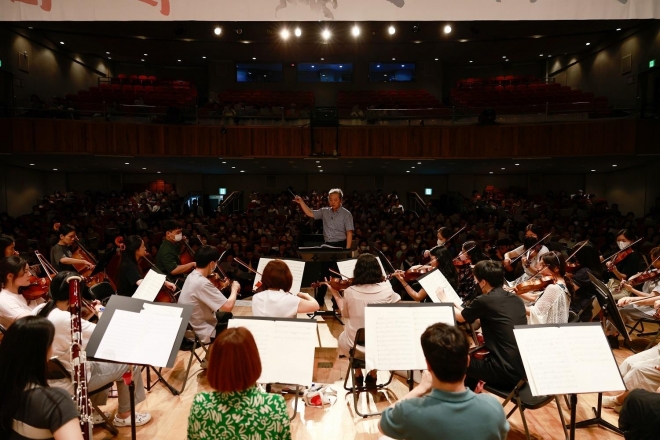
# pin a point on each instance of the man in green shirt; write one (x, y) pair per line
(167, 259)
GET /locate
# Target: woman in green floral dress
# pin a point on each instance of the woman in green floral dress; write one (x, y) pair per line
(237, 409)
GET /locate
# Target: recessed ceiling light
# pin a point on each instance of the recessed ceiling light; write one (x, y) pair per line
(322, 59)
(618, 29)
(179, 60)
(297, 32)
(407, 171)
(588, 44)
(109, 58)
(204, 58)
(108, 53)
(32, 164)
(503, 168)
(217, 30)
(61, 42)
(242, 171)
(254, 58)
(233, 167)
(378, 65)
(436, 59)
(391, 30)
(341, 67)
(419, 163)
(355, 31)
(158, 172)
(593, 170)
(541, 55)
(320, 171)
(326, 34)
(447, 29)
(285, 34)
(126, 163)
(144, 168)
(506, 59)
(224, 162)
(503, 56)
(318, 166)
(402, 65)
(54, 169)
(549, 56)
(614, 165)
(393, 59)
(470, 60)
(318, 161)
(517, 164)
(142, 59)
(490, 172)
(30, 27)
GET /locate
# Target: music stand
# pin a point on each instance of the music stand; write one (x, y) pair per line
(320, 255)
(102, 263)
(118, 302)
(611, 310)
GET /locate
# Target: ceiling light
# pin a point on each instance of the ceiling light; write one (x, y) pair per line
(31, 164)
(224, 162)
(549, 56)
(285, 34)
(179, 60)
(254, 58)
(126, 163)
(506, 59)
(355, 31)
(391, 30)
(30, 27)
(297, 32)
(341, 67)
(517, 164)
(593, 170)
(146, 54)
(436, 59)
(447, 29)
(242, 171)
(408, 171)
(503, 56)
(618, 29)
(463, 41)
(320, 171)
(108, 53)
(419, 163)
(393, 59)
(412, 167)
(142, 59)
(109, 58)
(61, 42)
(402, 65)
(378, 66)
(203, 58)
(233, 168)
(54, 169)
(503, 168)
(326, 34)
(158, 172)
(614, 165)
(490, 172)
(470, 60)
(541, 55)
(588, 44)
(144, 168)
(217, 30)
(312, 66)
(318, 166)
(322, 59)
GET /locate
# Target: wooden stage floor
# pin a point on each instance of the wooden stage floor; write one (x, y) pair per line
(170, 413)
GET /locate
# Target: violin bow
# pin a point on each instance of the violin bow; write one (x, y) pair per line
(585, 242)
(455, 234)
(463, 252)
(531, 247)
(337, 273)
(624, 249)
(239, 261)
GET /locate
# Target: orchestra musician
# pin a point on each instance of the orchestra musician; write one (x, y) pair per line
(129, 276)
(99, 373)
(167, 259)
(552, 305)
(440, 259)
(28, 403)
(14, 274)
(498, 311)
(628, 265)
(60, 253)
(211, 309)
(368, 288)
(471, 253)
(275, 300)
(530, 252)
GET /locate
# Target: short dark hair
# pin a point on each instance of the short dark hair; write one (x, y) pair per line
(367, 270)
(489, 271)
(445, 232)
(205, 255)
(277, 275)
(446, 349)
(628, 233)
(170, 225)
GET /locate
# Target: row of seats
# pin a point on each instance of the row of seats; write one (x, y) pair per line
(127, 94)
(409, 99)
(267, 98)
(509, 80)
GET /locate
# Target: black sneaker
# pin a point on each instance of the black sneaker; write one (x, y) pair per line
(613, 341)
(370, 382)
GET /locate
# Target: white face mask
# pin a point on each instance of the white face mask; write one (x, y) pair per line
(178, 237)
(622, 244)
(440, 242)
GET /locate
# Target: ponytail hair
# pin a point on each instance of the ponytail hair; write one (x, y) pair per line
(59, 291)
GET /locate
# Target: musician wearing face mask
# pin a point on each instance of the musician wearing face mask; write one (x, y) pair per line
(440, 259)
(628, 262)
(444, 234)
(530, 252)
(167, 260)
(552, 306)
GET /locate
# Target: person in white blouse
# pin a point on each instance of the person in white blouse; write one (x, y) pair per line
(530, 252)
(14, 274)
(368, 287)
(275, 300)
(98, 373)
(552, 305)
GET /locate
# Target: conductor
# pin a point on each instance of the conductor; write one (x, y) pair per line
(337, 220)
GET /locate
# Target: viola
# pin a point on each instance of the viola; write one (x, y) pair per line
(533, 285)
(643, 277)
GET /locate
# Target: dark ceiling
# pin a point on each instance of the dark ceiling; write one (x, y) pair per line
(313, 165)
(487, 42)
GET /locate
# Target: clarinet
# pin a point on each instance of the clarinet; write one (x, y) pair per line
(78, 358)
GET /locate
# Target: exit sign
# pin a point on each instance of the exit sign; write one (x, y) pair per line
(651, 64)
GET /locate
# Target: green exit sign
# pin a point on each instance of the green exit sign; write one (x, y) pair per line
(651, 64)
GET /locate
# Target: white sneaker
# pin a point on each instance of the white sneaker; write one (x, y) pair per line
(140, 419)
(97, 419)
(610, 402)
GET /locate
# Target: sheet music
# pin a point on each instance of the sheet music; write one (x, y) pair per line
(347, 267)
(393, 334)
(299, 340)
(567, 359)
(438, 288)
(296, 267)
(153, 344)
(150, 286)
(161, 310)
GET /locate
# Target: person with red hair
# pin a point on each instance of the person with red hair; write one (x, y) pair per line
(237, 409)
(275, 300)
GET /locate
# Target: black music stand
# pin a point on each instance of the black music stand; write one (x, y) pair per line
(314, 256)
(611, 310)
(118, 302)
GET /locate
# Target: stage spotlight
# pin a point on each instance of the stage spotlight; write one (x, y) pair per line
(355, 31)
(391, 30)
(326, 34)
(447, 29)
(284, 33)
(297, 32)
(217, 30)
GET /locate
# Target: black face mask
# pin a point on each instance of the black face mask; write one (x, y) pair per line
(529, 242)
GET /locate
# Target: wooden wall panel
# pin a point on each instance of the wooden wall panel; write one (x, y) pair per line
(647, 136)
(23, 136)
(150, 140)
(7, 131)
(124, 140)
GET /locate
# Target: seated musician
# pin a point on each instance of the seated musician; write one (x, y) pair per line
(211, 309)
(441, 407)
(530, 252)
(471, 253)
(368, 288)
(441, 259)
(275, 300)
(99, 373)
(498, 311)
(235, 408)
(639, 371)
(60, 253)
(167, 260)
(640, 415)
(552, 305)
(29, 405)
(14, 274)
(628, 266)
(129, 277)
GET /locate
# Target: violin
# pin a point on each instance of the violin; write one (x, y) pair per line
(414, 273)
(460, 264)
(621, 255)
(38, 288)
(574, 267)
(338, 284)
(532, 285)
